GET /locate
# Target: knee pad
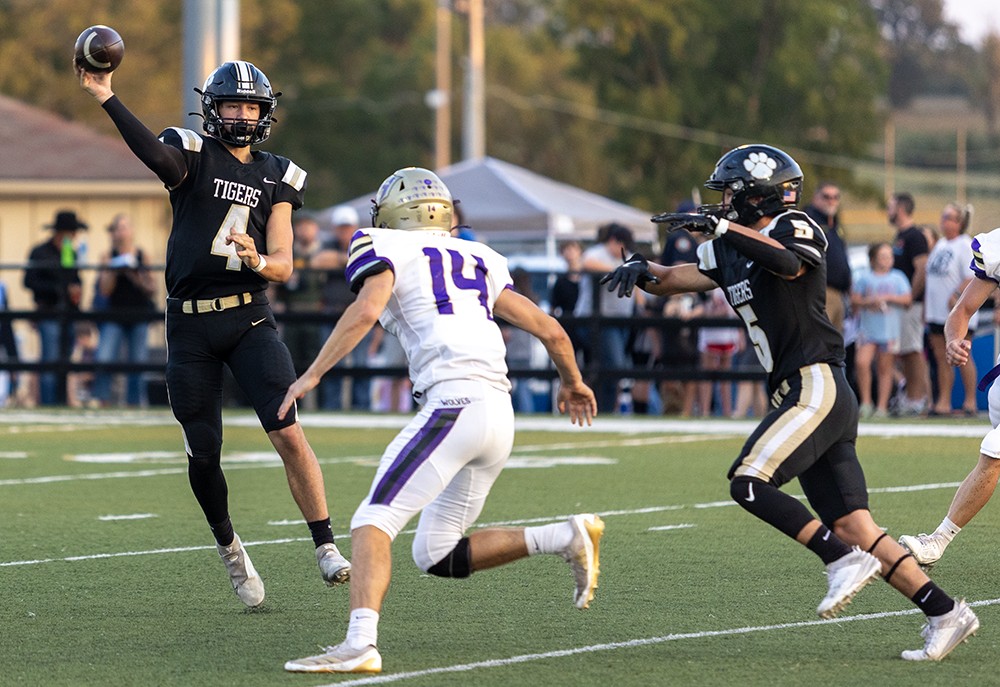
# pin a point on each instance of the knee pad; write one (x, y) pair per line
(458, 563)
(991, 444)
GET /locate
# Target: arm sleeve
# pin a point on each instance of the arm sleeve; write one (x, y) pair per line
(781, 261)
(165, 161)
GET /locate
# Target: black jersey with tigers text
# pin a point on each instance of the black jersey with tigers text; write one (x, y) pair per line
(218, 194)
(785, 318)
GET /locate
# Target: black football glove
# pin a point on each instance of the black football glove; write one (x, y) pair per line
(634, 271)
(693, 221)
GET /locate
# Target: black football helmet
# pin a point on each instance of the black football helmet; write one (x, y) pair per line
(767, 175)
(237, 81)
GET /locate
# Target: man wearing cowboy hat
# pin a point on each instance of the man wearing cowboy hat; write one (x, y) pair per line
(54, 281)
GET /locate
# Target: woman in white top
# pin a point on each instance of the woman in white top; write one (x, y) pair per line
(948, 274)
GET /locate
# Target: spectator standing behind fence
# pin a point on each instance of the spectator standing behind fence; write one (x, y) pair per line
(336, 297)
(910, 250)
(717, 347)
(303, 293)
(824, 210)
(389, 394)
(680, 247)
(609, 339)
(127, 287)
(54, 281)
(520, 346)
(8, 351)
(947, 276)
(680, 350)
(566, 289)
(880, 297)
(80, 385)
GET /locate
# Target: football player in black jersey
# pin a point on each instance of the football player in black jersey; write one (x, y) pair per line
(231, 236)
(770, 260)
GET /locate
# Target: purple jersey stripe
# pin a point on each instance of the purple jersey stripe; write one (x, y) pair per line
(978, 266)
(413, 455)
(362, 263)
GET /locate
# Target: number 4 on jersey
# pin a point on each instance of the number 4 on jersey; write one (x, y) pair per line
(237, 218)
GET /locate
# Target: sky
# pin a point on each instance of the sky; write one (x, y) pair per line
(974, 17)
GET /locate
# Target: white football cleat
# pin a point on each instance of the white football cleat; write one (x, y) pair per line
(334, 568)
(246, 582)
(942, 633)
(583, 556)
(927, 549)
(846, 576)
(339, 659)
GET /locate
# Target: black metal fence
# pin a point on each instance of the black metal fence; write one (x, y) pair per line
(666, 328)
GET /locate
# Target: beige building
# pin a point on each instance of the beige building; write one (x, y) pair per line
(51, 164)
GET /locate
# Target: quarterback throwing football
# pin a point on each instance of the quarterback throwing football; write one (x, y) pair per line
(231, 236)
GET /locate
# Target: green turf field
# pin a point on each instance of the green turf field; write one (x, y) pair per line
(108, 575)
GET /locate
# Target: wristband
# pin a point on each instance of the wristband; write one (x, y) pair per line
(260, 265)
(722, 227)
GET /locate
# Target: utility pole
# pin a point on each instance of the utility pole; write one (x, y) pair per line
(474, 121)
(961, 190)
(440, 98)
(211, 37)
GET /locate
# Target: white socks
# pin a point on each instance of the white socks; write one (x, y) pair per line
(363, 629)
(548, 538)
(947, 530)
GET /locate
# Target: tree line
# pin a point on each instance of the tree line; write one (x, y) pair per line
(634, 100)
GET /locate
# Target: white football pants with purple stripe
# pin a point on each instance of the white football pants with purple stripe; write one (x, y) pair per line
(443, 463)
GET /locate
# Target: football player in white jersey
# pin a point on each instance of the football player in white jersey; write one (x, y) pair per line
(977, 488)
(439, 295)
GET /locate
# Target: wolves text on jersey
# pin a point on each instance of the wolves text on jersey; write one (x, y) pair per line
(740, 293)
(236, 192)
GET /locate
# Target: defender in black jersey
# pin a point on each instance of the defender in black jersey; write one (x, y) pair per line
(231, 235)
(770, 260)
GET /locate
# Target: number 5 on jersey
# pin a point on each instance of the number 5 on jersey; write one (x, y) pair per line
(757, 336)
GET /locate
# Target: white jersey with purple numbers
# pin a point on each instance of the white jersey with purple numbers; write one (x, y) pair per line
(441, 307)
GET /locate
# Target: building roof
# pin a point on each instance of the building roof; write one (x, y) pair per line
(39, 145)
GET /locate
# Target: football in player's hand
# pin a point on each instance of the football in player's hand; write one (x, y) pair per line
(99, 49)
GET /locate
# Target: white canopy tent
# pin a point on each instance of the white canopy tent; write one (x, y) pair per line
(517, 210)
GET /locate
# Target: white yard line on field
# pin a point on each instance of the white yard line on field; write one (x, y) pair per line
(36, 420)
(498, 523)
(276, 463)
(626, 644)
(126, 554)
